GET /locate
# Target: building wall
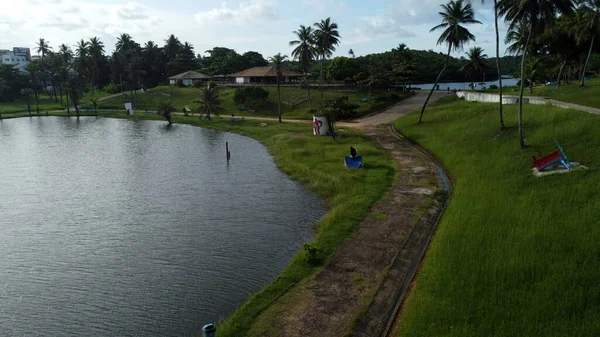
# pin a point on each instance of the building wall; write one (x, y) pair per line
(19, 61)
(242, 80)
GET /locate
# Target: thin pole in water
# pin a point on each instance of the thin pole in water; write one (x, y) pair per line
(227, 151)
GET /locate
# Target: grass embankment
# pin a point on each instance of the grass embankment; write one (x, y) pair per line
(289, 98)
(317, 163)
(514, 255)
(46, 103)
(572, 93)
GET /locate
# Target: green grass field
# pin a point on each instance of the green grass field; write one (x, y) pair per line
(186, 96)
(45, 103)
(317, 163)
(572, 93)
(514, 255)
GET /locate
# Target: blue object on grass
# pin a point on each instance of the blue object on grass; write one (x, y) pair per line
(355, 162)
(242, 107)
(364, 99)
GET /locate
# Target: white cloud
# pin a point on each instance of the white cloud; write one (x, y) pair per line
(247, 13)
(379, 27)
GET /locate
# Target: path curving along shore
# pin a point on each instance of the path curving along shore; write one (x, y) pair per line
(360, 290)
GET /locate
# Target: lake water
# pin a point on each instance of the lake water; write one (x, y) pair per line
(129, 228)
(466, 85)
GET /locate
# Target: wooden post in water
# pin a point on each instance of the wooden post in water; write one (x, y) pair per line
(227, 151)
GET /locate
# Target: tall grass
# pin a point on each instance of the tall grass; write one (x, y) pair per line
(514, 255)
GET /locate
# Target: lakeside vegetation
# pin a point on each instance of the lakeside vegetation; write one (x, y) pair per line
(289, 95)
(514, 255)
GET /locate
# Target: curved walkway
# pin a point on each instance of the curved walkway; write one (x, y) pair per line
(358, 291)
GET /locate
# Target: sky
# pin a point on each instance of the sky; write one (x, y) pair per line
(265, 26)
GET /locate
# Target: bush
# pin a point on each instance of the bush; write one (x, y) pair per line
(338, 108)
(199, 84)
(312, 255)
(493, 86)
(112, 88)
(248, 96)
(180, 84)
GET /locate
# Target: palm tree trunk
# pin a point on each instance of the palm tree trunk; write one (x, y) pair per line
(587, 59)
(521, 141)
(37, 102)
(28, 105)
(60, 90)
(68, 108)
(321, 86)
(560, 71)
(54, 88)
(502, 126)
(278, 99)
(436, 83)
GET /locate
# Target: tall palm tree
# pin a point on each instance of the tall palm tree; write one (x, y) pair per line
(454, 14)
(172, 47)
(502, 126)
(326, 39)
(304, 52)
(43, 47)
(277, 60)
(124, 42)
(589, 14)
(517, 37)
(351, 53)
(476, 62)
(210, 101)
(536, 14)
(96, 52)
(165, 109)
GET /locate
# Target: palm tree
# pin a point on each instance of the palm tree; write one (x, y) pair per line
(502, 126)
(351, 53)
(43, 47)
(453, 14)
(96, 51)
(165, 109)
(536, 14)
(124, 42)
(172, 47)
(304, 53)
(95, 103)
(278, 60)
(326, 38)
(517, 37)
(404, 66)
(27, 92)
(589, 14)
(476, 62)
(210, 101)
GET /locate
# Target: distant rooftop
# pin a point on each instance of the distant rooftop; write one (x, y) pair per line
(190, 75)
(263, 72)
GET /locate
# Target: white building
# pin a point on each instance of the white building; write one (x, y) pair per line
(19, 57)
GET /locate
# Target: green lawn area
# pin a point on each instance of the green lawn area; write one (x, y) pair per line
(45, 103)
(572, 93)
(317, 163)
(514, 255)
(186, 96)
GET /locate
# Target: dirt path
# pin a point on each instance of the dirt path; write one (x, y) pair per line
(357, 292)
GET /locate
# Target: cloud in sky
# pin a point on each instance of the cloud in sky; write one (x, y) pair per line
(247, 13)
(261, 25)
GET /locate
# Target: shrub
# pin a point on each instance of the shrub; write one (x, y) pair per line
(338, 108)
(180, 84)
(111, 88)
(199, 84)
(312, 255)
(493, 86)
(248, 96)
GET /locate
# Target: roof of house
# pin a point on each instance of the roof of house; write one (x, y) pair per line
(263, 72)
(189, 75)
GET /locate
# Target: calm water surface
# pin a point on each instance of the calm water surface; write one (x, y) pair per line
(129, 228)
(466, 85)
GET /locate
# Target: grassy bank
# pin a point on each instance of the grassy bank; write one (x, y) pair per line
(514, 255)
(289, 97)
(572, 93)
(317, 163)
(45, 103)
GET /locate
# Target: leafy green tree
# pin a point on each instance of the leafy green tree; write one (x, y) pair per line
(404, 65)
(172, 47)
(210, 101)
(336, 109)
(342, 67)
(536, 14)
(95, 52)
(304, 52)
(74, 88)
(454, 14)
(253, 59)
(326, 37)
(476, 62)
(277, 60)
